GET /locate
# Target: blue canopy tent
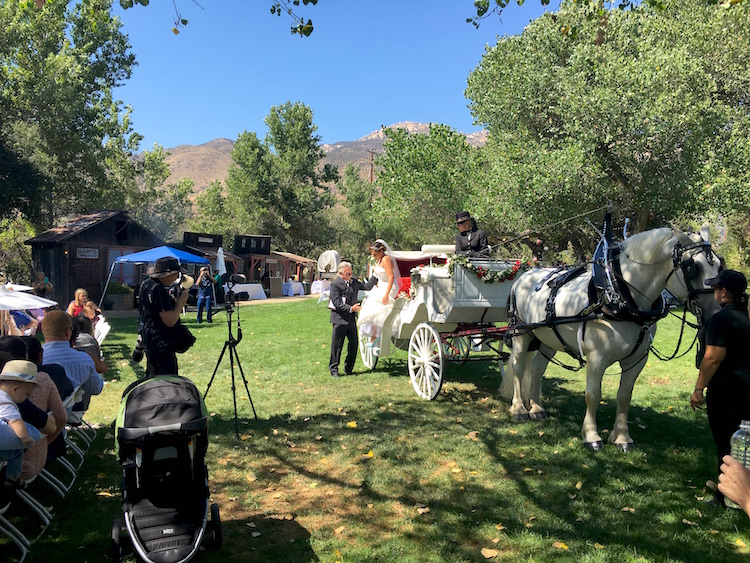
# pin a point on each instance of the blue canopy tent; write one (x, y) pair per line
(152, 255)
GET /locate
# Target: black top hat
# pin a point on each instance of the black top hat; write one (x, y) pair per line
(731, 280)
(462, 216)
(166, 267)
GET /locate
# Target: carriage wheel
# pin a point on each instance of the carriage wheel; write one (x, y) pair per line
(369, 358)
(456, 349)
(426, 361)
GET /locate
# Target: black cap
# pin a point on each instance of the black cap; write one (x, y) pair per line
(731, 280)
(462, 216)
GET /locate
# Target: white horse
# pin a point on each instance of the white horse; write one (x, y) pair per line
(649, 262)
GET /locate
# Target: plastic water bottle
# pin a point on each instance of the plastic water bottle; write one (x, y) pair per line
(740, 444)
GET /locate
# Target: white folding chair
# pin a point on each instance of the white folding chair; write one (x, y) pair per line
(72, 399)
(101, 330)
(36, 507)
(13, 533)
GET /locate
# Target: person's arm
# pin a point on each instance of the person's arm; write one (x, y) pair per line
(711, 360)
(170, 318)
(19, 427)
(482, 245)
(70, 308)
(94, 384)
(99, 365)
(50, 426)
(388, 267)
(57, 409)
(734, 482)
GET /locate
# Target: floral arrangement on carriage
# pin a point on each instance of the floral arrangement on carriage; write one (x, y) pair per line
(488, 276)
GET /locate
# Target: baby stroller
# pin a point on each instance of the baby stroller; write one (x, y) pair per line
(161, 436)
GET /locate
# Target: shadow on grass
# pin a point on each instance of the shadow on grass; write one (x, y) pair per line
(529, 481)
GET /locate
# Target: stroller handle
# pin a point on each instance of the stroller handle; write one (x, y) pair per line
(192, 426)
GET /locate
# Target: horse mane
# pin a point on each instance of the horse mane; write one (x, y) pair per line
(647, 246)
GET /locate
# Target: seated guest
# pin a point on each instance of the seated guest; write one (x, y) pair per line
(92, 313)
(79, 366)
(17, 380)
(470, 240)
(75, 307)
(15, 348)
(56, 439)
(85, 342)
(46, 397)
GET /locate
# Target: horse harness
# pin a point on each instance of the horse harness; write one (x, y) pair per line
(610, 296)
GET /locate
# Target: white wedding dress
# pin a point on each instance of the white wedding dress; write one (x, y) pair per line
(373, 313)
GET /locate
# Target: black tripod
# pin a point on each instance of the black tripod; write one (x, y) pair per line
(231, 344)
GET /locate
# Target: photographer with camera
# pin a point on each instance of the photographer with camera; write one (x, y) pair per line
(160, 302)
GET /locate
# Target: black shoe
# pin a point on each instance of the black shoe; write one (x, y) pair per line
(334, 374)
(348, 372)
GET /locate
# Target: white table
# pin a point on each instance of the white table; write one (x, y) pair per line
(319, 286)
(253, 290)
(292, 288)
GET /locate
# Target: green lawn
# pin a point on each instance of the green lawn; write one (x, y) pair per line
(359, 469)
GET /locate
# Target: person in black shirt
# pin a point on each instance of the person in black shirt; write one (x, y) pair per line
(160, 317)
(470, 240)
(725, 366)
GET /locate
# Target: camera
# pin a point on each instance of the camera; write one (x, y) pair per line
(139, 349)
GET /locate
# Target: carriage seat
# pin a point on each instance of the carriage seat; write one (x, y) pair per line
(404, 284)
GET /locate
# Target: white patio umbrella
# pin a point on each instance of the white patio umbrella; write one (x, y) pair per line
(221, 265)
(17, 287)
(19, 300)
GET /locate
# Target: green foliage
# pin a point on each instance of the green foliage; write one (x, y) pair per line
(354, 227)
(274, 187)
(635, 109)
(15, 256)
(58, 67)
(425, 180)
(117, 288)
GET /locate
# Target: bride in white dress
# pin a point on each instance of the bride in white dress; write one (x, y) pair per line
(379, 302)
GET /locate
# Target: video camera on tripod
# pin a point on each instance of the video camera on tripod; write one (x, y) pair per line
(231, 345)
(233, 280)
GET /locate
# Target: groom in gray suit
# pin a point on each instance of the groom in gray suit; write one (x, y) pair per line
(344, 308)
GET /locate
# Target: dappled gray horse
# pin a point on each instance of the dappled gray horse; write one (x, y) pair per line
(556, 311)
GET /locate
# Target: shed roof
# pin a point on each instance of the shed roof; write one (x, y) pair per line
(75, 226)
(294, 257)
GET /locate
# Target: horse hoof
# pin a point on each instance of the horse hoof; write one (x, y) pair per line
(594, 446)
(521, 418)
(538, 415)
(629, 447)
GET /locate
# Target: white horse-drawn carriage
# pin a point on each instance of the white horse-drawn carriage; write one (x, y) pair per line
(452, 310)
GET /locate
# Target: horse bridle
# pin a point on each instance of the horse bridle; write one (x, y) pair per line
(688, 268)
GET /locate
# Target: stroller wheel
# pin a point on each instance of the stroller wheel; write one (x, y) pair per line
(216, 525)
(115, 545)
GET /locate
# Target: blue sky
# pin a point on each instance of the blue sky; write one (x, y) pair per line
(367, 64)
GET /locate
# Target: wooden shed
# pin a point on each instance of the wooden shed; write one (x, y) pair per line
(79, 252)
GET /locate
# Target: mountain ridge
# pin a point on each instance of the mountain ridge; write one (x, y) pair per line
(210, 161)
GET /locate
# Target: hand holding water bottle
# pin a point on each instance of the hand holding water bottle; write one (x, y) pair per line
(734, 482)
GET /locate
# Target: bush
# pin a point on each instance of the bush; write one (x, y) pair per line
(119, 288)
